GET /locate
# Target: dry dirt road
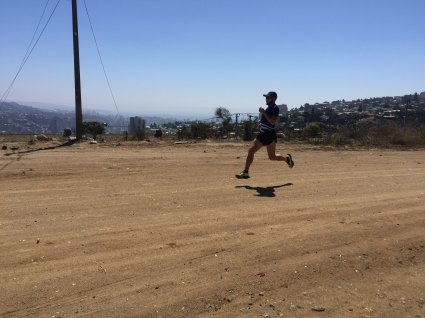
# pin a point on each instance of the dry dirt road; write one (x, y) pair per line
(166, 230)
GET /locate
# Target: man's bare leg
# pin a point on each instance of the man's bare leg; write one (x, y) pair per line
(251, 152)
(271, 151)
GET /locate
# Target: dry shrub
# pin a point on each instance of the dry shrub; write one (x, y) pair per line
(374, 133)
(340, 139)
(391, 134)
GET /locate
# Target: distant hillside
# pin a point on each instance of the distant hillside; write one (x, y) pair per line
(22, 119)
(15, 118)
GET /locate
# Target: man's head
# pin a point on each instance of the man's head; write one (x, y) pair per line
(270, 98)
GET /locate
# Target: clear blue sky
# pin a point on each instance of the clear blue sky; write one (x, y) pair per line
(187, 57)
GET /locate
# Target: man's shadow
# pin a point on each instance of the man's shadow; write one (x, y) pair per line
(267, 191)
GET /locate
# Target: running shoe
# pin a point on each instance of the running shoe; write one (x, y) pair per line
(243, 175)
(289, 161)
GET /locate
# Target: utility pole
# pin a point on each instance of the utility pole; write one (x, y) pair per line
(78, 110)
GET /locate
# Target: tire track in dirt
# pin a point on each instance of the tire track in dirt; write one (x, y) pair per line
(192, 244)
(377, 244)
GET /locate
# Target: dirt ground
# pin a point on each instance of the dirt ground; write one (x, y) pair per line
(165, 230)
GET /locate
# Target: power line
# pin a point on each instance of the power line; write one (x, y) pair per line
(35, 32)
(26, 53)
(29, 51)
(101, 60)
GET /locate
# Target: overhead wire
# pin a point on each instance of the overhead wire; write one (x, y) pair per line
(26, 53)
(33, 44)
(35, 32)
(100, 57)
(30, 49)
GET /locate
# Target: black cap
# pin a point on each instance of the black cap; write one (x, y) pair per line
(271, 94)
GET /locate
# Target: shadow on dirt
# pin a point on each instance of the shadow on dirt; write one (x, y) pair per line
(68, 143)
(265, 191)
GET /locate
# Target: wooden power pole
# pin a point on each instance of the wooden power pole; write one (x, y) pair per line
(78, 109)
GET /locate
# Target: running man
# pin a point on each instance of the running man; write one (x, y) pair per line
(267, 136)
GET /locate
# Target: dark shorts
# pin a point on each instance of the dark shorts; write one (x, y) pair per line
(267, 137)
